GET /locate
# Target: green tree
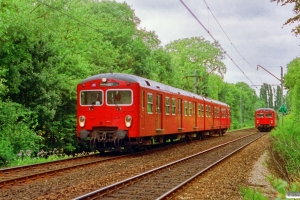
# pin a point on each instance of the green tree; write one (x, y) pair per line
(191, 55)
(296, 10)
(46, 48)
(292, 83)
(266, 95)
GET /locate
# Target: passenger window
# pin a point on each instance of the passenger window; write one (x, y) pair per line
(190, 108)
(149, 103)
(173, 106)
(185, 108)
(167, 105)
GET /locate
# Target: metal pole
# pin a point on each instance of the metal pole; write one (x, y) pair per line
(281, 92)
(281, 85)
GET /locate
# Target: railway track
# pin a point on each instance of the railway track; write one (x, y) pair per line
(19, 175)
(24, 174)
(161, 182)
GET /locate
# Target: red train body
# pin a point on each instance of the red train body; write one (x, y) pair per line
(265, 119)
(121, 112)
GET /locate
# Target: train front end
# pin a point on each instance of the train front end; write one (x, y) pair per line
(265, 119)
(107, 112)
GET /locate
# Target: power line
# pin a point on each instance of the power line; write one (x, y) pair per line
(214, 39)
(228, 36)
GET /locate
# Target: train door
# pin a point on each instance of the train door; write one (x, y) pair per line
(142, 119)
(158, 111)
(179, 113)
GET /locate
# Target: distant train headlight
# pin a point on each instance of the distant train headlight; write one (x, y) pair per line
(81, 121)
(128, 120)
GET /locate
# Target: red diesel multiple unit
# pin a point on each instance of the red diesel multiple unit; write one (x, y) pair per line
(122, 112)
(265, 119)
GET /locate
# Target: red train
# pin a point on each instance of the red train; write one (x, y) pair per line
(265, 119)
(123, 112)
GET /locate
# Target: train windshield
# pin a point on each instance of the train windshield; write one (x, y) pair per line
(269, 115)
(119, 97)
(91, 98)
(260, 115)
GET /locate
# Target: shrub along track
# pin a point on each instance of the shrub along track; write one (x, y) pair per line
(86, 179)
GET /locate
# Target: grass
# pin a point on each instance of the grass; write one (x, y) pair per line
(26, 158)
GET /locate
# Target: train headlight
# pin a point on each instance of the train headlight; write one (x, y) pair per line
(81, 121)
(128, 120)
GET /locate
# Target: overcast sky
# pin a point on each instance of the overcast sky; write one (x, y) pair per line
(255, 28)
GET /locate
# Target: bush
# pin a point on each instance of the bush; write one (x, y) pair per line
(286, 143)
(250, 194)
(6, 153)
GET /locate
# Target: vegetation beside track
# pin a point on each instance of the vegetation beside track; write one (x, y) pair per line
(285, 152)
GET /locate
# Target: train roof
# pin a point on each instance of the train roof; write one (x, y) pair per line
(148, 83)
(265, 109)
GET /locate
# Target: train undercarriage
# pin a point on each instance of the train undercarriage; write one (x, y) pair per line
(113, 140)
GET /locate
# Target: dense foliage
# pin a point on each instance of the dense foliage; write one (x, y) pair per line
(47, 47)
(286, 137)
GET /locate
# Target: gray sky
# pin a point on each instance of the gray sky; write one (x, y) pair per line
(255, 28)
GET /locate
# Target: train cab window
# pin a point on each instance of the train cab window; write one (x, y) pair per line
(260, 115)
(202, 110)
(186, 108)
(167, 105)
(173, 106)
(190, 108)
(149, 103)
(199, 110)
(119, 97)
(269, 115)
(89, 98)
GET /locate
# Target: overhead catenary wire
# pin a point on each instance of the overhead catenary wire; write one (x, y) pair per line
(228, 37)
(214, 39)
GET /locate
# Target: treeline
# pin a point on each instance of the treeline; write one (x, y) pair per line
(47, 47)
